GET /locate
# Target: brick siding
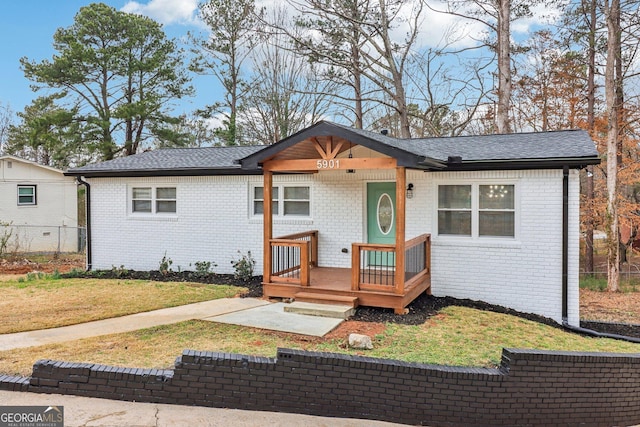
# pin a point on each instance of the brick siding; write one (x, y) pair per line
(529, 388)
(212, 224)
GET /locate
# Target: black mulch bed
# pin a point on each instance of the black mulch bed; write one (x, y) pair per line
(421, 309)
(254, 285)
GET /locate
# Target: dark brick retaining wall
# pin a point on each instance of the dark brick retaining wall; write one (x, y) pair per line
(530, 388)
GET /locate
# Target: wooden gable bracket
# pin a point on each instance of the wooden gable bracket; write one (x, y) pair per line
(327, 152)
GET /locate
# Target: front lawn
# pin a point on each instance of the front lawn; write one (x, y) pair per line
(458, 336)
(46, 302)
(453, 335)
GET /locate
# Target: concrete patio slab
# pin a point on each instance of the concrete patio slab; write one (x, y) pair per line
(273, 317)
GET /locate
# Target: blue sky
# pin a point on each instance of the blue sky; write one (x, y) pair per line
(27, 28)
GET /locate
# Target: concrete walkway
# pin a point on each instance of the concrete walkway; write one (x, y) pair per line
(250, 312)
(92, 412)
(165, 316)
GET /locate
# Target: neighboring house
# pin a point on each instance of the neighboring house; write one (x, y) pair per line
(41, 205)
(357, 216)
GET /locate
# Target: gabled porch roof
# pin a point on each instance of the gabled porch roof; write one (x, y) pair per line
(346, 136)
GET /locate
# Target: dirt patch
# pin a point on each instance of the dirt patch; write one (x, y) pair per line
(621, 307)
(19, 266)
(340, 333)
(346, 328)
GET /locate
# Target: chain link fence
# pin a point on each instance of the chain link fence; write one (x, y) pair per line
(17, 239)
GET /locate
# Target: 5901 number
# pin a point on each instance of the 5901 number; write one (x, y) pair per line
(328, 164)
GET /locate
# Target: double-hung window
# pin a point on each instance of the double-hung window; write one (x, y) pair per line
(286, 201)
(454, 209)
(27, 195)
(477, 210)
(153, 200)
(496, 210)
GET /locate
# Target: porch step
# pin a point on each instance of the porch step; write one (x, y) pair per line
(320, 310)
(326, 299)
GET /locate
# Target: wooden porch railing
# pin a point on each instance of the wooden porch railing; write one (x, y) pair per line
(292, 257)
(417, 259)
(373, 265)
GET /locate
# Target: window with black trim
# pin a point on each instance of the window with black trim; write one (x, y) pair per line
(286, 201)
(476, 210)
(27, 195)
(153, 200)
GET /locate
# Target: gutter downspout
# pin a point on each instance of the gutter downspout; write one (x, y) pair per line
(565, 244)
(88, 213)
(565, 270)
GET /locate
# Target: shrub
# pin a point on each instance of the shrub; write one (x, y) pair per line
(244, 266)
(121, 271)
(204, 267)
(165, 265)
(5, 236)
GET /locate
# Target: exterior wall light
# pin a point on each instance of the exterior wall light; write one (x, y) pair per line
(410, 191)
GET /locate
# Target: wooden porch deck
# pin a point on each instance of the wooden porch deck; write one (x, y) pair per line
(333, 285)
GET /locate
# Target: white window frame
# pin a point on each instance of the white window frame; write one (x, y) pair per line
(154, 201)
(280, 201)
(34, 195)
(475, 210)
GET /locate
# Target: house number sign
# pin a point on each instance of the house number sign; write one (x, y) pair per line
(328, 164)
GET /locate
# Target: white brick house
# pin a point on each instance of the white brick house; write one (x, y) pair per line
(500, 213)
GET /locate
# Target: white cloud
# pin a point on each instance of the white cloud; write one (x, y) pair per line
(166, 11)
(541, 15)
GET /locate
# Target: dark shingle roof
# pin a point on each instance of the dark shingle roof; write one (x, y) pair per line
(178, 161)
(573, 148)
(565, 144)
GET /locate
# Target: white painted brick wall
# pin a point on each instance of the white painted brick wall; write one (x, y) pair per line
(526, 273)
(213, 223)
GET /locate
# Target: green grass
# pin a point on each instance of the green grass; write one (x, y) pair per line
(41, 302)
(599, 284)
(593, 283)
(457, 336)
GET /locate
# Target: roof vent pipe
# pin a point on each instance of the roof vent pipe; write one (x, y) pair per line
(385, 132)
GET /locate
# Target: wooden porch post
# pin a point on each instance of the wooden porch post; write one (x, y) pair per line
(267, 210)
(401, 185)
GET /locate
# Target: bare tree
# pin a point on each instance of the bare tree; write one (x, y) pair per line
(496, 16)
(6, 120)
(288, 92)
(222, 53)
(448, 96)
(362, 35)
(330, 39)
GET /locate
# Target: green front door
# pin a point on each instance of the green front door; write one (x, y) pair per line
(381, 220)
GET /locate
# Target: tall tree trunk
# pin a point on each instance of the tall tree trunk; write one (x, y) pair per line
(504, 66)
(357, 82)
(591, 101)
(613, 131)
